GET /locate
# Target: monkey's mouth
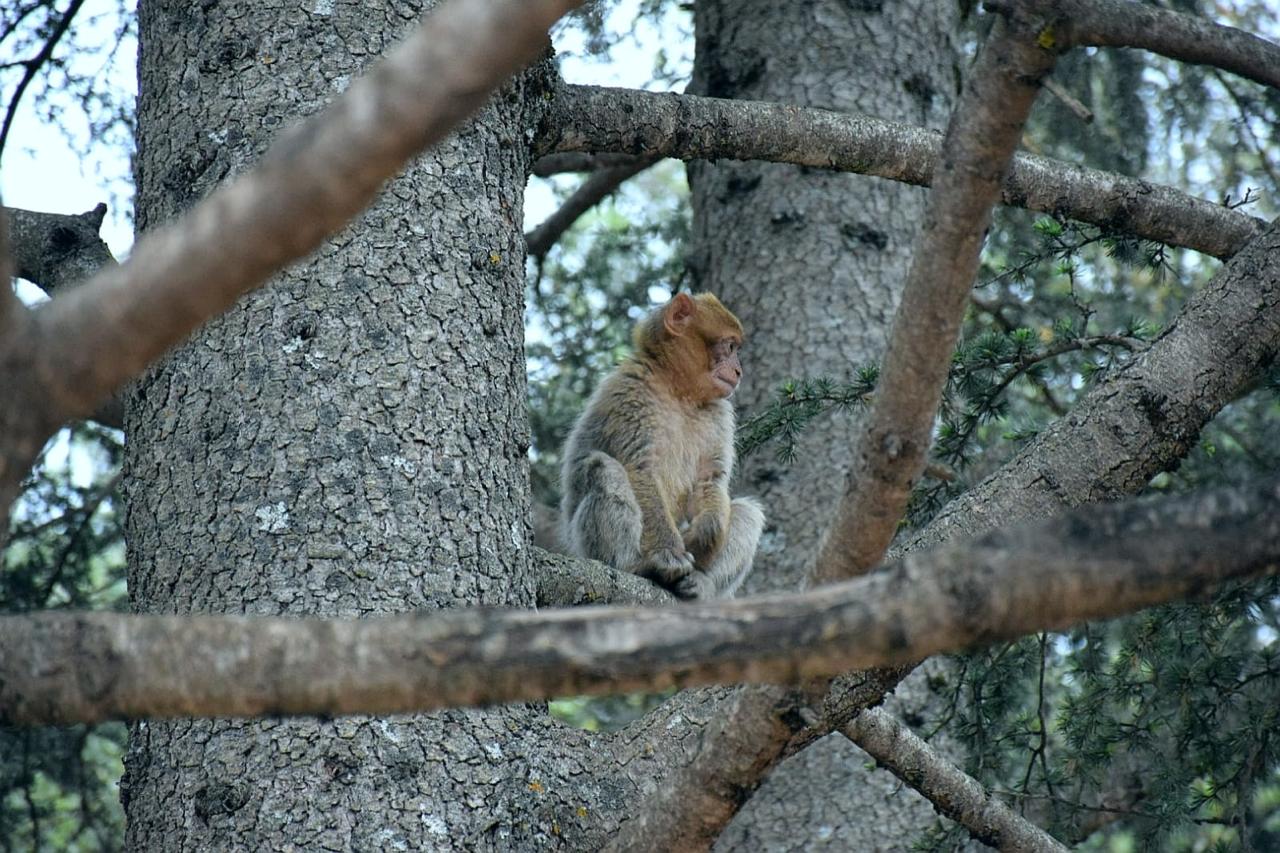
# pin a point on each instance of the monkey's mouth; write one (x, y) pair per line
(727, 386)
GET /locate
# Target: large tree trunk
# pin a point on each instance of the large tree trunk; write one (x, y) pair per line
(813, 262)
(349, 440)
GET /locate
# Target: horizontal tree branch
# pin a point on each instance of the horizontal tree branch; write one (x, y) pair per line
(67, 667)
(689, 127)
(1186, 38)
(953, 792)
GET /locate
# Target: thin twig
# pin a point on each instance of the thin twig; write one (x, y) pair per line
(1068, 100)
(33, 67)
(592, 191)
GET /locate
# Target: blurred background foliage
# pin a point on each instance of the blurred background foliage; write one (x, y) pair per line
(1155, 731)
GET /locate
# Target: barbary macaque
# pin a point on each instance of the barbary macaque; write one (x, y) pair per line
(647, 465)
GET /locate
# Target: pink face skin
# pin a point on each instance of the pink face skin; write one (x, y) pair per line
(726, 370)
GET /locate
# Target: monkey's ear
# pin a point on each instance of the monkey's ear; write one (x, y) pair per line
(679, 314)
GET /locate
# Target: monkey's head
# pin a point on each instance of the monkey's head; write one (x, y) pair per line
(694, 339)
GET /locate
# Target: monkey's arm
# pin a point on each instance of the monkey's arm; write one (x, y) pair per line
(709, 510)
(709, 514)
(662, 551)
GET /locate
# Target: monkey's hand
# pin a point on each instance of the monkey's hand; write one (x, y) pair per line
(666, 565)
(696, 586)
(705, 536)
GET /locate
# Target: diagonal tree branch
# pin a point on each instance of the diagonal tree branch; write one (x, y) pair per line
(753, 727)
(66, 667)
(1141, 420)
(1123, 23)
(55, 250)
(953, 792)
(593, 190)
(1145, 417)
(33, 66)
(984, 130)
(310, 183)
(649, 124)
(692, 808)
(1228, 331)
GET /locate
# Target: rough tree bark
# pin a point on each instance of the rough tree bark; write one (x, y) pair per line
(813, 262)
(349, 440)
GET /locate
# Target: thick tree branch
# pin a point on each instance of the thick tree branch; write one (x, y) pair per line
(649, 124)
(572, 582)
(1224, 337)
(53, 250)
(953, 792)
(1146, 416)
(752, 728)
(1138, 422)
(984, 130)
(593, 190)
(63, 667)
(66, 358)
(691, 809)
(1121, 23)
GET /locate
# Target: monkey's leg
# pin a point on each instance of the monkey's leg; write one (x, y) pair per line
(606, 525)
(730, 567)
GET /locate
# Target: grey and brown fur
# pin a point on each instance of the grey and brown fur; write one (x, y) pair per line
(647, 467)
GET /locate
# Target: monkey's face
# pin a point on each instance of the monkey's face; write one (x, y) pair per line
(726, 370)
